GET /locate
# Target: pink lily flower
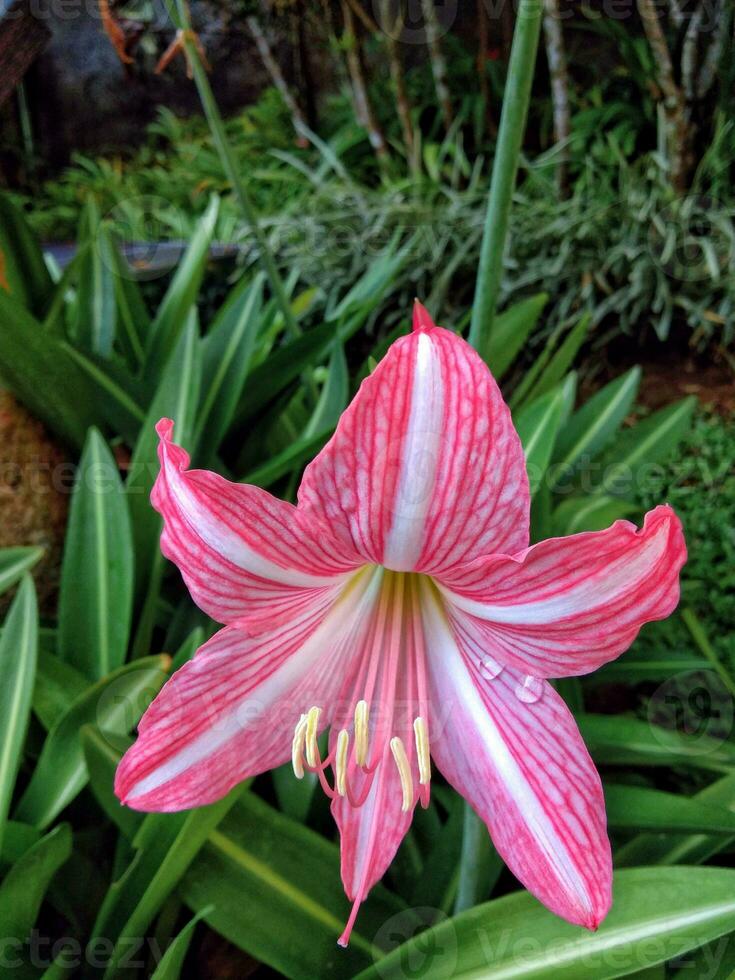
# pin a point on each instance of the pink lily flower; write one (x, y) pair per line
(399, 605)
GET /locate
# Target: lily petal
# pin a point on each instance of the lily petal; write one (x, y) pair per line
(242, 553)
(525, 769)
(425, 469)
(568, 605)
(230, 713)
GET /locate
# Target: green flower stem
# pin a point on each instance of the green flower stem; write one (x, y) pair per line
(507, 151)
(180, 16)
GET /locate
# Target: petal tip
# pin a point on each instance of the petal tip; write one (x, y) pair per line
(421, 318)
(165, 429)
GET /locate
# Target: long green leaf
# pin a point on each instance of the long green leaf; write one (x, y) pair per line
(657, 914)
(176, 398)
(276, 892)
(641, 808)
(227, 351)
(690, 848)
(25, 885)
(593, 512)
(282, 367)
(26, 273)
(562, 359)
(95, 307)
(621, 740)
(626, 465)
(178, 303)
(14, 563)
(95, 601)
(172, 961)
(18, 653)
(115, 703)
(592, 427)
(165, 848)
(537, 425)
(510, 331)
(37, 367)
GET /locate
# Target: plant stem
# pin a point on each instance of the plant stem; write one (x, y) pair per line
(505, 166)
(180, 17)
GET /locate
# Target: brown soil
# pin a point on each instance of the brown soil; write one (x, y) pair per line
(35, 482)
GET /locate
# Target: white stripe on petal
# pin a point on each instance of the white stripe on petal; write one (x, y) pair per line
(419, 460)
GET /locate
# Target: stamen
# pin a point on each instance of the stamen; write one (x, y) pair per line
(361, 733)
(340, 762)
(404, 771)
(312, 724)
(297, 748)
(422, 750)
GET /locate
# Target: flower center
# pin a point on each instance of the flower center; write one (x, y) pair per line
(381, 714)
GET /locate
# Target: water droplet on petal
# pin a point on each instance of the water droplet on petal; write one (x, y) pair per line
(490, 668)
(530, 689)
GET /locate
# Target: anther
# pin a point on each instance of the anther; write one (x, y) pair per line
(297, 748)
(312, 724)
(340, 762)
(361, 733)
(404, 771)
(422, 750)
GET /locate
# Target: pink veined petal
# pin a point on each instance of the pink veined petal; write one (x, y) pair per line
(568, 605)
(525, 769)
(425, 469)
(231, 712)
(245, 556)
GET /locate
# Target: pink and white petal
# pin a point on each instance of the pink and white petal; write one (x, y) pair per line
(425, 469)
(231, 712)
(525, 769)
(243, 554)
(370, 834)
(568, 605)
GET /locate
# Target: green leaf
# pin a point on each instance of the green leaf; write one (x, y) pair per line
(641, 808)
(227, 351)
(25, 885)
(38, 368)
(537, 425)
(18, 653)
(172, 961)
(26, 272)
(593, 512)
(102, 753)
(115, 703)
(58, 684)
(276, 892)
(626, 465)
(95, 600)
(333, 399)
(17, 839)
(177, 305)
(621, 740)
(594, 424)
(657, 914)
(282, 367)
(562, 359)
(14, 563)
(95, 306)
(684, 849)
(165, 847)
(511, 329)
(133, 318)
(289, 459)
(176, 398)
